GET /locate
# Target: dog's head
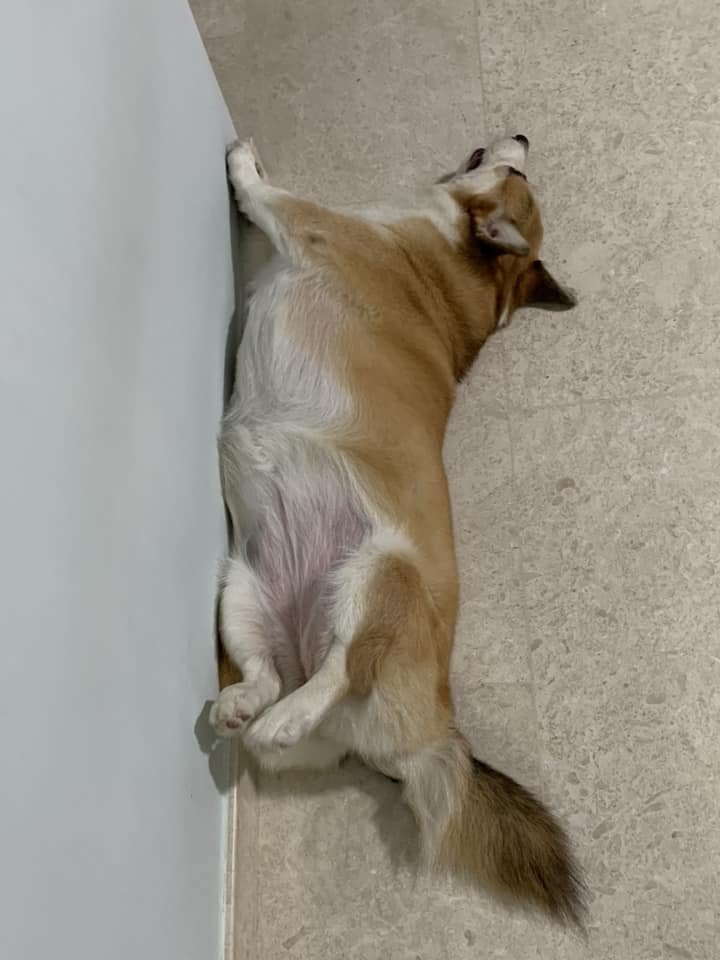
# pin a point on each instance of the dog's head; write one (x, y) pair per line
(502, 229)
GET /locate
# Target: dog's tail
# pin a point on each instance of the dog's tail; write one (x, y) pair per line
(482, 824)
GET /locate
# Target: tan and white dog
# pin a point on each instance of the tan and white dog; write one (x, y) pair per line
(340, 597)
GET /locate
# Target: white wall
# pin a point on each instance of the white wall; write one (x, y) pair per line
(115, 293)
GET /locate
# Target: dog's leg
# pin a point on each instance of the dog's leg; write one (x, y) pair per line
(244, 629)
(255, 197)
(295, 716)
(312, 753)
(303, 710)
(292, 225)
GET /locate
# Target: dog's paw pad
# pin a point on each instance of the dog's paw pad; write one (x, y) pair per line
(235, 707)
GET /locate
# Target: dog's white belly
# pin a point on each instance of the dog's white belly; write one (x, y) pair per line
(295, 509)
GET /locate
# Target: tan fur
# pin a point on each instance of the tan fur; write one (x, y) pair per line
(417, 308)
(228, 673)
(505, 837)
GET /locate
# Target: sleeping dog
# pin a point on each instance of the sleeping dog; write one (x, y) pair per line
(340, 595)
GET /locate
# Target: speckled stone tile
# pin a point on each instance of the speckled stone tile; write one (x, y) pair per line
(621, 105)
(218, 18)
(338, 856)
(491, 637)
(620, 511)
(584, 460)
(350, 101)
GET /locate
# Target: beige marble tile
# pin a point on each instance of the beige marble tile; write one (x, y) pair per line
(338, 856)
(620, 512)
(491, 639)
(350, 101)
(620, 102)
(587, 662)
(500, 723)
(218, 18)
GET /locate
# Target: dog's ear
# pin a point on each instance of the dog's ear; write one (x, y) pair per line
(497, 232)
(536, 287)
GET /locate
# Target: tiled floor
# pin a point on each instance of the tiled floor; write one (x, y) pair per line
(584, 454)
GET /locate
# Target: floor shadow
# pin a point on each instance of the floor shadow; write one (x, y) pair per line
(391, 816)
(250, 250)
(218, 751)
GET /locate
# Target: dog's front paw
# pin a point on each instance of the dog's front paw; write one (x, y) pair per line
(235, 707)
(244, 166)
(280, 726)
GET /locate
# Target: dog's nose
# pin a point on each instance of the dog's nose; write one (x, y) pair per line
(521, 138)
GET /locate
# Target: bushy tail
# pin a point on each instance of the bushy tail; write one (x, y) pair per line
(482, 824)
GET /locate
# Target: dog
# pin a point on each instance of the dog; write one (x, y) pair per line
(339, 598)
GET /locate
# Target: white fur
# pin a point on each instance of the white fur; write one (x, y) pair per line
(504, 318)
(242, 622)
(285, 483)
(435, 205)
(434, 779)
(288, 489)
(303, 710)
(350, 588)
(287, 396)
(313, 752)
(507, 151)
(255, 196)
(307, 542)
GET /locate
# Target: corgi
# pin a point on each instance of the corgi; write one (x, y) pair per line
(340, 595)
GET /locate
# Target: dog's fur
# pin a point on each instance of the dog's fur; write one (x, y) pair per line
(340, 597)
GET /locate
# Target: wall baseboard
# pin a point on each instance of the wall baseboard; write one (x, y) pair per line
(241, 870)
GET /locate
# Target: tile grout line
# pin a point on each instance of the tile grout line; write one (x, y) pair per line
(229, 918)
(520, 572)
(612, 401)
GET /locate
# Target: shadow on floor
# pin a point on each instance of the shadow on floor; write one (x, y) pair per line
(373, 797)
